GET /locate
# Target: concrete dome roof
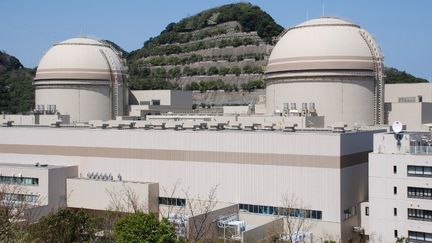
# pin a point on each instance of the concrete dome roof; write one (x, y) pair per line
(320, 44)
(79, 59)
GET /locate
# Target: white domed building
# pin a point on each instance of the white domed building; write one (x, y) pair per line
(328, 65)
(83, 78)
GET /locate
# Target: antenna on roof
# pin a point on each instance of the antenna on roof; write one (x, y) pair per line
(397, 127)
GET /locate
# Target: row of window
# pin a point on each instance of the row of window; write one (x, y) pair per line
(313, 214)
(293, 212)
(419, 214)
(27, 198)
(407, 99)
(414, 170)
(348, 213)
(419, 236)
(19, 180)
(419, 192)
(181, 202)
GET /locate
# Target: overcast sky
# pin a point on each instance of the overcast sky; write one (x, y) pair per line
(28, 28)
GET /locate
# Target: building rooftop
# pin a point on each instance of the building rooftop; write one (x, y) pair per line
(35, 165)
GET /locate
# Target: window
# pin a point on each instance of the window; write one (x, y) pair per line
(394, 190)
(420, 98)
(395, 211)
(394, 169)
(270, 210)
(181, 202)
(423, 171)
(19, 180)
(407, 99)
(348, 213)
(419, 192)
(367, 211)
(155, 102)
(419, 214)
(395, 233)
(415, 236)
(9, 197)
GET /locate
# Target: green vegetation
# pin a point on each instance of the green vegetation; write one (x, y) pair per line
(220, 85)
(16, 90)
(140, 227)
(211, 85)
(155, 50)
(175, 46)
(66, 225)
(253, 85)
(395, 76)
(250, 17)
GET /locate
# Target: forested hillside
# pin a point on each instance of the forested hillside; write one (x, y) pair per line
(16, 90)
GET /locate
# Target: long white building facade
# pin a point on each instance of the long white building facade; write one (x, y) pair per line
(326, 171)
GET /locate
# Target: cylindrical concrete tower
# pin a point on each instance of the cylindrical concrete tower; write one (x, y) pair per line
(83, 78)
(331, 64)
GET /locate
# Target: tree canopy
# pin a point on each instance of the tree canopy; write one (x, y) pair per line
(16, 90)
(140, 227)
(66, 225)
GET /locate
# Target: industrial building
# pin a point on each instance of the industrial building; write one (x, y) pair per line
(83, 78)
(409, 103)
(324, 114)
(338, 75)
(400, 188)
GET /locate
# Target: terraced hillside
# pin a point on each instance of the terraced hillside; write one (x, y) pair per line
(221, 48)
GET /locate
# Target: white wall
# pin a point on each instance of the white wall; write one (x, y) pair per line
(394, 91)
(338, 100)
(109, 195)
(315, 179)
(81, 102)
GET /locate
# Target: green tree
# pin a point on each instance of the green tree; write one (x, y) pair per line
(66, 225)
(213, 71)
(140, 227)
(195, 86)
(236, 70)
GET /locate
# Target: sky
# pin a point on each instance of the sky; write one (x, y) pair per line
(403, 28)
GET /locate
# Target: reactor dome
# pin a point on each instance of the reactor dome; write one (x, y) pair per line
(83, 78)
(329, 66)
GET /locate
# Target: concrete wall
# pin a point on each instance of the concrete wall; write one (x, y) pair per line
(382, 200)
(109, 195)
(81, 102)
(413, 115)
(28, 120)
(382, 180)
(230, 110)
(148, 95)
(394, 91)
(338, 100)
(203, 226)
(51, 188)
(265, 232)
(181, 99)
(170, 100)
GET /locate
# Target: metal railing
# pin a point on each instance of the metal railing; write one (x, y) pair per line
(421, 150)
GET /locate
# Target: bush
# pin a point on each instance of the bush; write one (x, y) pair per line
(66, 225)
(140, 227)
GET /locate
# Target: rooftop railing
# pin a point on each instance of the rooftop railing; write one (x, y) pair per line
(421, 150)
